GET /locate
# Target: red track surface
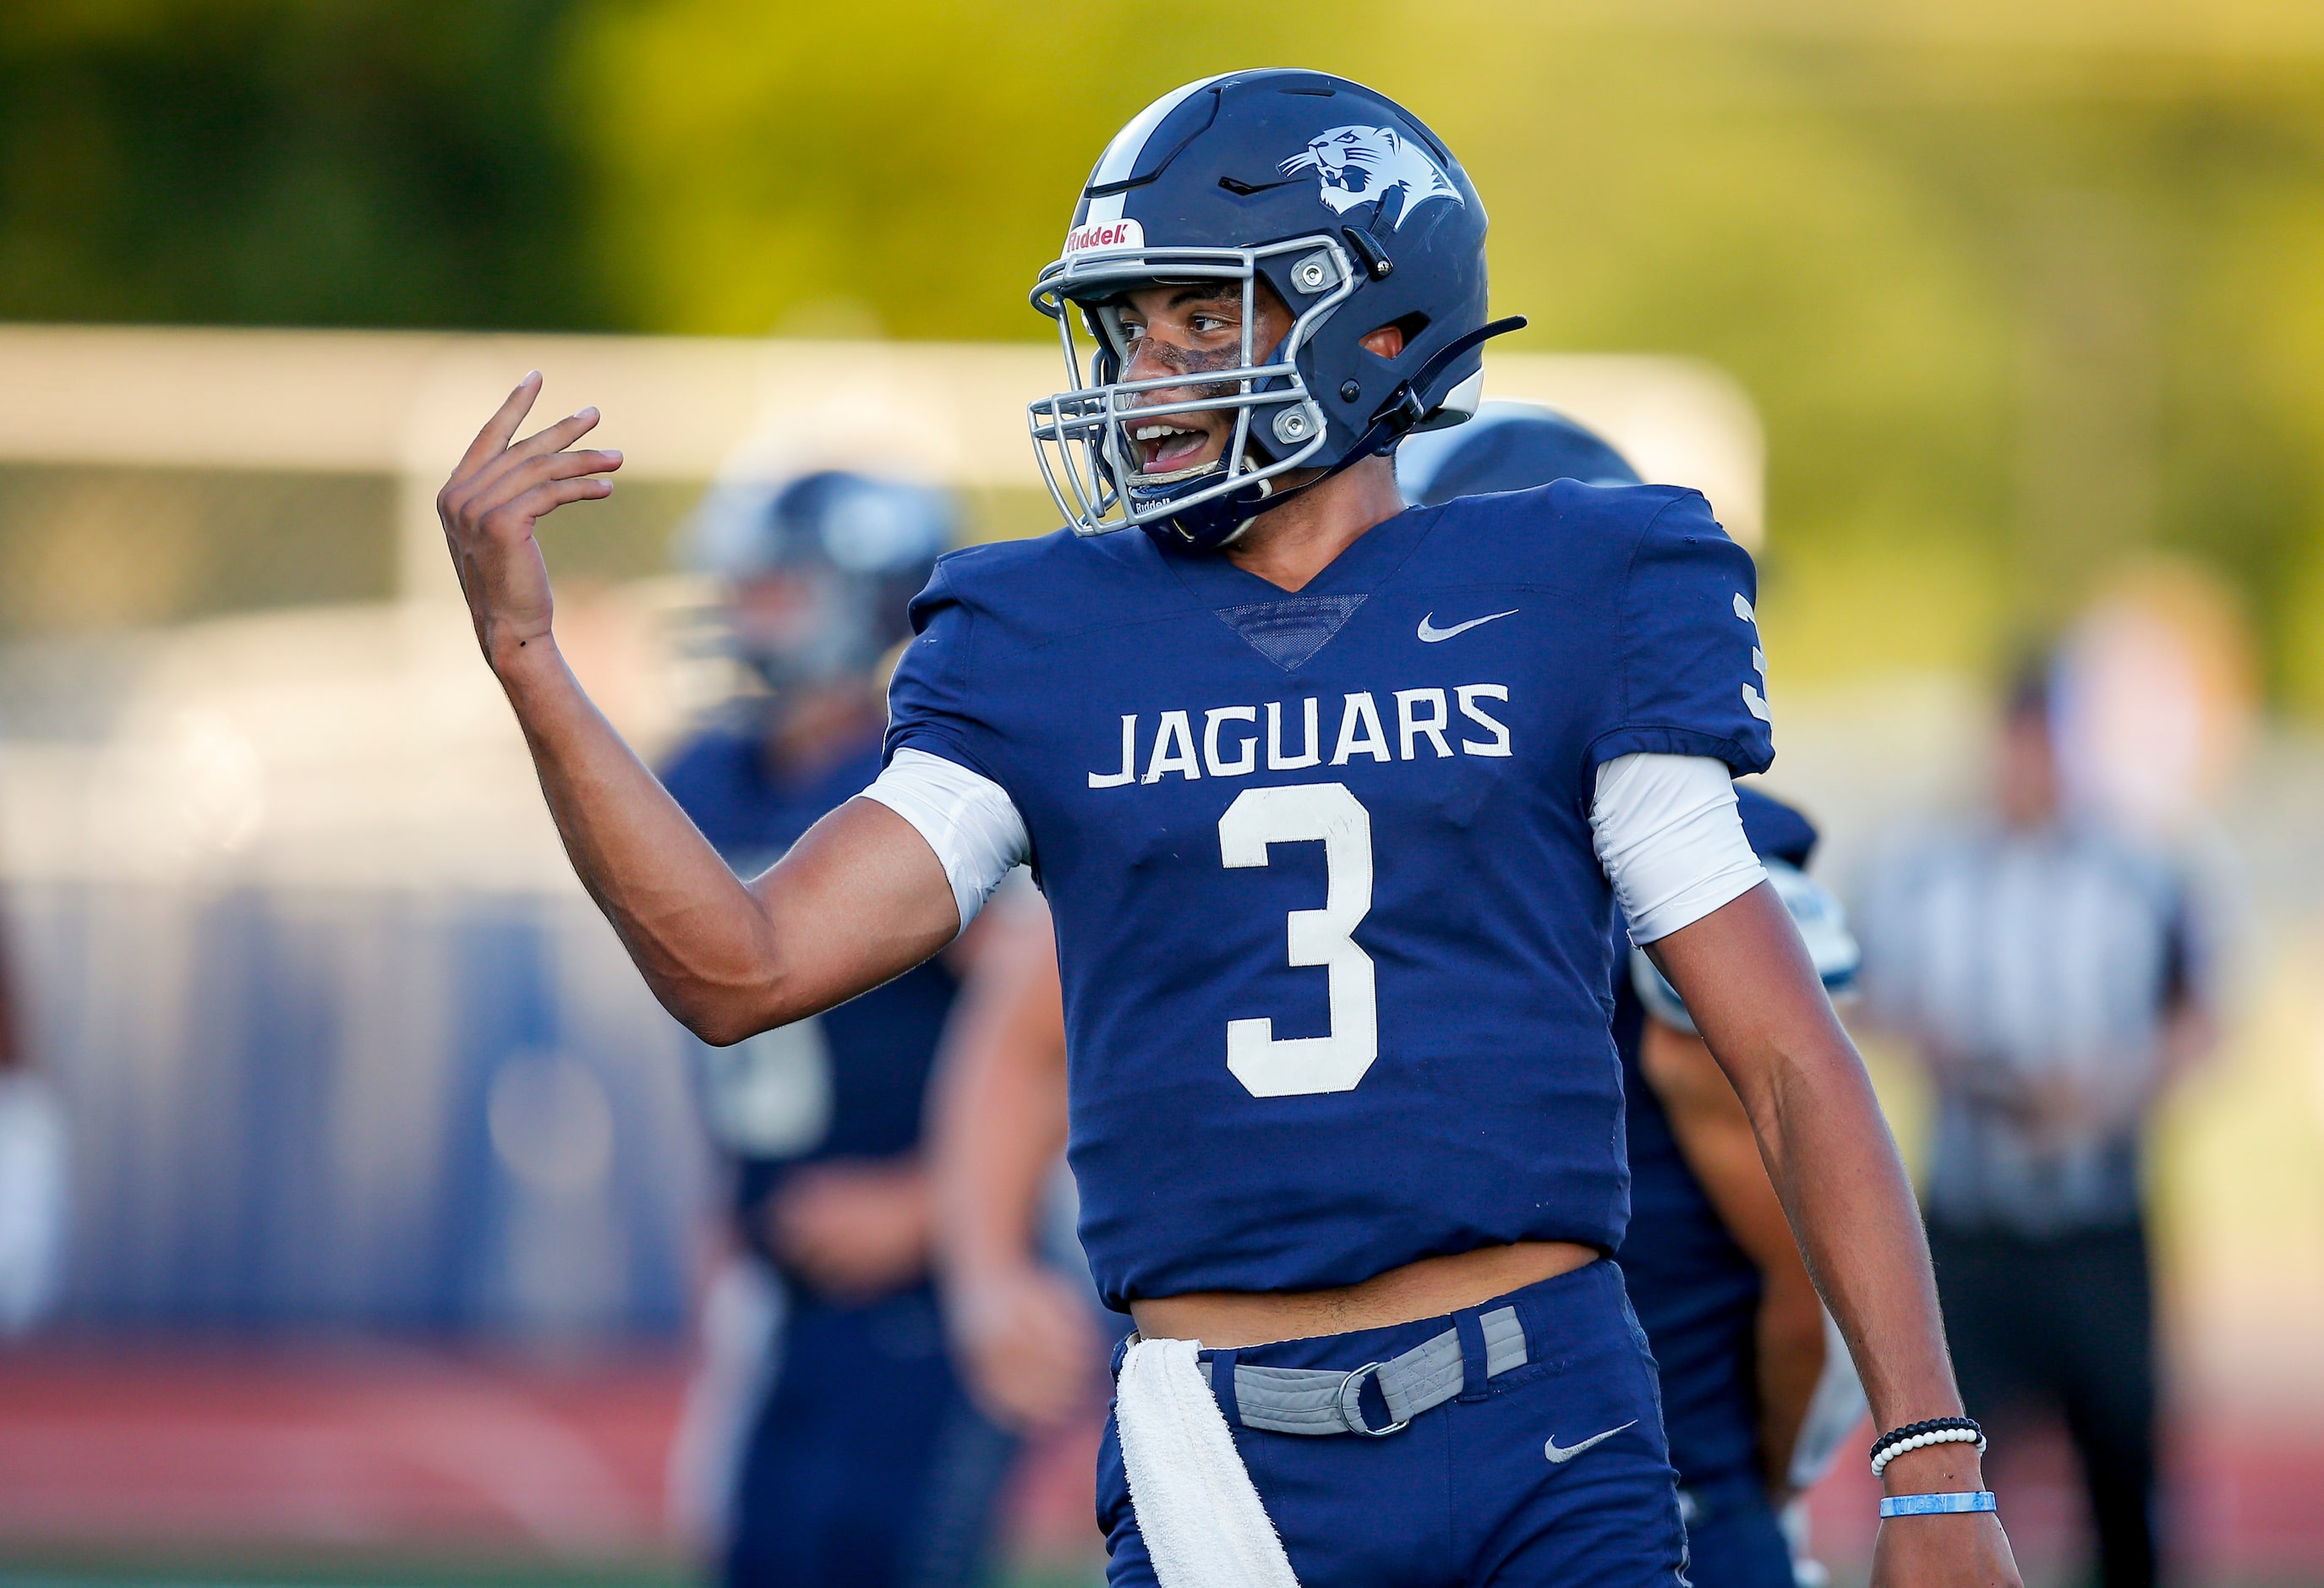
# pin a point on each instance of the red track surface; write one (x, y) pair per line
(368, 1444)
(241, 1449)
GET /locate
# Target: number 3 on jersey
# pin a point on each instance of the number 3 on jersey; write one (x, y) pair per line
(1311, 813)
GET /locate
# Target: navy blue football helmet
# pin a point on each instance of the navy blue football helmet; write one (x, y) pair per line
(820, 569)
(1507, 447)
(1353, 213)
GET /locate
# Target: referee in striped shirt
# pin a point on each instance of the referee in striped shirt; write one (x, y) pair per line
(2055, 974)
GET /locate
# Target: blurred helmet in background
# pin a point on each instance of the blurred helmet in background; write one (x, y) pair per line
(821, 569)
(1507, 447)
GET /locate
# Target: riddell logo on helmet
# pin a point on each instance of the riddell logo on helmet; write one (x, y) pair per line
(1112, 234)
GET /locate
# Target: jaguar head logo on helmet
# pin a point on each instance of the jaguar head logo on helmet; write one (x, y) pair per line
(1271, 292)
(1360, 165)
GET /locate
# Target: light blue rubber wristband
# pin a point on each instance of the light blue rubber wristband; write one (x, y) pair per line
(1937, 1505)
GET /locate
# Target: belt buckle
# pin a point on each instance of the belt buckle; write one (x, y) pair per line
(1350, 1408)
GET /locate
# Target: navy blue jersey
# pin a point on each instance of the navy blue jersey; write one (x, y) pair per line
(1332, 931)
(850, 1082)
(1696, 1293)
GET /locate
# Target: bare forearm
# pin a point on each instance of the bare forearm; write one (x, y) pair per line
(1714, 1135)
(1022, 1331)
(1827, 1149)
(1836, 1168)
(695, 932)
(1002, 1141)
(1000, 1120)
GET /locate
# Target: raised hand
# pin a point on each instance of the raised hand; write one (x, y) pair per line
(498, 491)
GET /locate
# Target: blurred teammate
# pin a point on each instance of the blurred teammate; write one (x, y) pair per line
(1345, 1109)
(2055, 972)
(847, 1455)
(1741, 1340)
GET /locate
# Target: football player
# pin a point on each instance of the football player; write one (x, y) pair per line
(828, 1441)
(1331, 802)
(1738, 1334)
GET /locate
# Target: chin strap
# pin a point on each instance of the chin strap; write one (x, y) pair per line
(1402, 411)
(1393, 417)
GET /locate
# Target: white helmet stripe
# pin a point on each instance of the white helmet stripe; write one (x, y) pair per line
(1120, 156)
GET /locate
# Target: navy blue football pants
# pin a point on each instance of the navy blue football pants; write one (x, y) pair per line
(867, 1467)
(1467, 1494)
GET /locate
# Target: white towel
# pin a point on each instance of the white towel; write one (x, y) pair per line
(1200, 1518)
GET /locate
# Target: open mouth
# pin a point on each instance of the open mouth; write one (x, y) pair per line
(1169, 446)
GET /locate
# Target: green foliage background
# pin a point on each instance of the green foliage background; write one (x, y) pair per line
(2019, 290)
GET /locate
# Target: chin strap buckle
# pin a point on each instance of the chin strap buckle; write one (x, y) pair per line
(1402, 411)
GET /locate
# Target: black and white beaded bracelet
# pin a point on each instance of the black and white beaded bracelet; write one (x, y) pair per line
(1896, 1441)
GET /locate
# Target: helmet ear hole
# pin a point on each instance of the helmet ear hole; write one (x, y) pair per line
(1408, 329)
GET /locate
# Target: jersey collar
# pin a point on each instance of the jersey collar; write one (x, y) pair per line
(1367, 564)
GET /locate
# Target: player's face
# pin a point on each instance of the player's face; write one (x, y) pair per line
(779, 613)
(1187, 330)
(2029, 770)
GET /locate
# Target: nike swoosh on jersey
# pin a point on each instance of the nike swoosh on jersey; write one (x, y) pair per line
(1558, 1455)
(1430, 634)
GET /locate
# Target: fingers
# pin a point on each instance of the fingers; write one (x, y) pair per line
(515, 491)
(513, 520)
(494, 471)
(548, 496)
(526, 473)
(556, 438)
(495, 436)
(491, 453)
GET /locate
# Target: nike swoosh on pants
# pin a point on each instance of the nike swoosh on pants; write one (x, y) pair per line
(1560, 1455)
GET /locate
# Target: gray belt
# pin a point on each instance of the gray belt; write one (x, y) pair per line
(1318, 1400)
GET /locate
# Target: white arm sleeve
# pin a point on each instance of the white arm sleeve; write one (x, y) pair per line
(1668, 834)
(967, 818)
